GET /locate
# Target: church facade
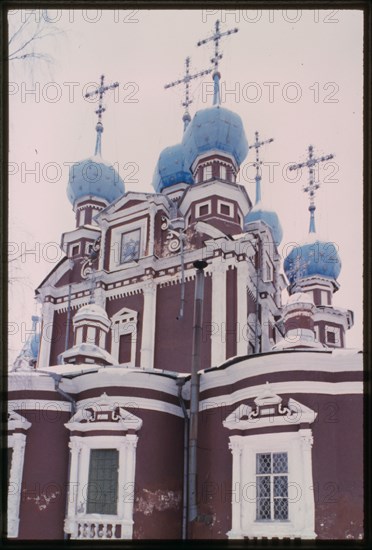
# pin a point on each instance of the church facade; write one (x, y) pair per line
(101, 398)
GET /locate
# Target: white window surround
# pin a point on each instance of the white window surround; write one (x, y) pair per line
(82, 216)
(223, 172)
(230, 206)
(72, 246)
(17, 442)
(316, 332)
(200, 205)
(124, 322)
(336, 331)
(244, 449)
(79, 335)
(115, 248)
(207, 172)
(78, 523)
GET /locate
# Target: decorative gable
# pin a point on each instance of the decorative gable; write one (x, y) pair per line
(269, 411)
(104, 415)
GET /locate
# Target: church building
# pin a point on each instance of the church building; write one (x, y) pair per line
(184, 380)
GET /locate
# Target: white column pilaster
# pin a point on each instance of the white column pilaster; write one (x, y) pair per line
(18, 443)
(242, 308)
(130, 468)
(218, 329)
(236, 504)
(46, 335)
(148, 324)
(72, 495)
(308, 513)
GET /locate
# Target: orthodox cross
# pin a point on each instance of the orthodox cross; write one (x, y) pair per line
(312, 186)
(186, 81)
(100, 91)
(216, 37)
(257, 144)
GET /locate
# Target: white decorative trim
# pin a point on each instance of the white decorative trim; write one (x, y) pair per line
(323, 388)
(269, 413)
(124, 322)
(78, 523)
(200, 205)
(242, 306)
(43, 406)
(103, 414)
(301, 522)
(336, 331)
(322, 361)
(218, 318)
(148, 325)
(221, 203)
(115, 245)
(17, 442)
(140, 403)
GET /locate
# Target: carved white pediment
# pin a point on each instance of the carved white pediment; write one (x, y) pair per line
(269, 412)
(103, 414)
(17, 421)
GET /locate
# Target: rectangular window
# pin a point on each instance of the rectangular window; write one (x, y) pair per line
(331, 337)
(130, 246)
(75, 249)
(222, 172)
(207, 172)
(103, 481)
(272, 486)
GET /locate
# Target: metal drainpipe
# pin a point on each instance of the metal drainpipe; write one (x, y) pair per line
(256, 346)
(57, 379)
(180, 383)
(194, 387)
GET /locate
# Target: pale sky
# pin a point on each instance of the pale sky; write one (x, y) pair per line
(292, 75)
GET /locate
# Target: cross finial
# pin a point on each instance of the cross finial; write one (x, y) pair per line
(216, 37)
(99, 126)
(312, 186)
(186, 81)
(257, 144)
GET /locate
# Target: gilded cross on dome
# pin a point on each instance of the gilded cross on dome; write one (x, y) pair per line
(312, 186)
(257, 144)
(186, 81)
(216, 37)
(100, 91)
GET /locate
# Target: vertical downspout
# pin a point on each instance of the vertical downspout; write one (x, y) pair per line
(194, 387)
(180, 384)
(258, 271)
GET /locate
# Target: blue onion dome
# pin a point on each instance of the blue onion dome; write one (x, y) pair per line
(260, 213)
(171, 168)
(94, 177)
(314, 258)
(215, 128)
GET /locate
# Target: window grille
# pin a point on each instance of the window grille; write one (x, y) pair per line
(103, 481)
(272, 486)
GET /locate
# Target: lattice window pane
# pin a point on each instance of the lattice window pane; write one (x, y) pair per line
(280, 463)
(263, 508)
(280, 486)
(263, 487)
(263, 464)
(103, 481)
(281, 508)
